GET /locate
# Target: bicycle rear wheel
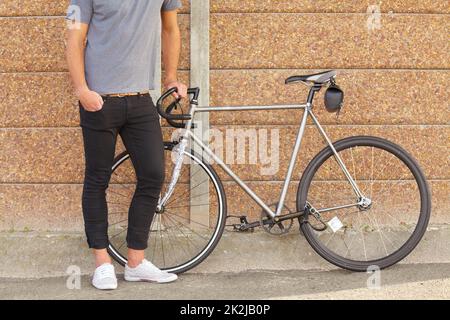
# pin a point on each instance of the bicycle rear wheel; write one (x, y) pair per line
(188, 227)
(380, 234)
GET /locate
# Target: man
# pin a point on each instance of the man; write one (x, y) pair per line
(111, 55)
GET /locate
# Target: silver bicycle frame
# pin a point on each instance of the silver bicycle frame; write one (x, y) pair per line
(307, 112)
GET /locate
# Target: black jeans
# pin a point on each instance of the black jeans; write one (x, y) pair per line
(136, 120)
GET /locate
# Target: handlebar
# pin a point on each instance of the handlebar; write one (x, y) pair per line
(166, 114)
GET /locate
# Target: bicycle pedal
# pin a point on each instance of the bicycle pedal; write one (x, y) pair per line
(243, 226)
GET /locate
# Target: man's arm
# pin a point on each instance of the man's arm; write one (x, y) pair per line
(171, 47)
(76, 39)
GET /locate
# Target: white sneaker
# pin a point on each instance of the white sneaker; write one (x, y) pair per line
(147, 271)
(105, 277)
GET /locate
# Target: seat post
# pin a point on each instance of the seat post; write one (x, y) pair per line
(315, 88)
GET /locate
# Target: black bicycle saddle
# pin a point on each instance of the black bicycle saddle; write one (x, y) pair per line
(317, 78)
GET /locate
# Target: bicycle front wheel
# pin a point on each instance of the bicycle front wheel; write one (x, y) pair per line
(187, 229)
(380, 232)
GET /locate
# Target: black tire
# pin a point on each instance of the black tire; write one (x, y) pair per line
(425, 204)
(218, 231)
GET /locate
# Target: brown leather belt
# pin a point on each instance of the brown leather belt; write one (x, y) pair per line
(129, 94)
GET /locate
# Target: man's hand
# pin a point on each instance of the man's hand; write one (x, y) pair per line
(182, 88)
(90, 100)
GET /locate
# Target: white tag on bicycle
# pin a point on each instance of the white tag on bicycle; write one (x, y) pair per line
(335, 224)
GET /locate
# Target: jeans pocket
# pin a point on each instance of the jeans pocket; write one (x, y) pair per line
(83, 109)
(92, 119)
(147, 98)
(147, 106)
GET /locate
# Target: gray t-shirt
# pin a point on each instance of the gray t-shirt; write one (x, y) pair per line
(121, 45)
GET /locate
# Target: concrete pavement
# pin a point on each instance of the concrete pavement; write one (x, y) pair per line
(39, 255)
(406, 281)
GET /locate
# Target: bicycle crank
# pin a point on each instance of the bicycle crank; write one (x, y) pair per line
(279, 225)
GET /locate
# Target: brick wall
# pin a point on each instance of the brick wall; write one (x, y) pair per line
(395, 80)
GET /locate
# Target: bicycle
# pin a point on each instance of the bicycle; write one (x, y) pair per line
(347, 202)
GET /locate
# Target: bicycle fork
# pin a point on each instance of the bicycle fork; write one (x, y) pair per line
(179, 150)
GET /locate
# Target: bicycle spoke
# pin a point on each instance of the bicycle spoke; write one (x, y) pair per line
(348, 248)
(354, 165)
(173, 239)
(123, 243)
(116, 213)
(371, 175)
(117, 203)
(184, 171)
(379, 232)
(329, 239)
(385, 191)
(385, 164)
(192, 197)
(131, 178)
(116, 235)
(154, 247)
(118, 193)
(395, 218)
(187, 192)
(189, 241)
(363, 163)
(171, 213)
(191, 205)
(127, 175)
(162, 242)
(362, 236)
(174, 215)
(129, 190)
(116, 223)
(168, 236)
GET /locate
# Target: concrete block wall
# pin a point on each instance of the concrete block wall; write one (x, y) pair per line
(396, 81)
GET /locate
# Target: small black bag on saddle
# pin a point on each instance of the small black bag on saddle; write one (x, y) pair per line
(334, 98)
